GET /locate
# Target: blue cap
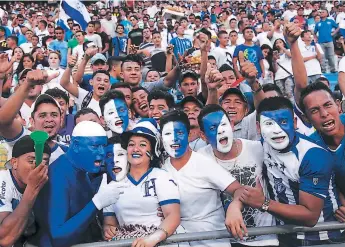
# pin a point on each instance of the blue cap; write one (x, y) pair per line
(98, 56)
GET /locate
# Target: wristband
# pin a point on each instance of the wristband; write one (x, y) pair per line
(165, 231)
(257, 90)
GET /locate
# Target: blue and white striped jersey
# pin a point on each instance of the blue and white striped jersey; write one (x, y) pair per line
(180, 45)
(305, 167)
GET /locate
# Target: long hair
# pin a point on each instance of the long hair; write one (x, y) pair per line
(20, 67)
(269, 57)
(275, 48)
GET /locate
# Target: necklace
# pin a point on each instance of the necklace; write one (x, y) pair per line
(237, 153)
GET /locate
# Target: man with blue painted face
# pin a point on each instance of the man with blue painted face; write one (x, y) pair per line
(67, 205)
(114, 111)
(298, 175)
(241, 158)
(200, 179)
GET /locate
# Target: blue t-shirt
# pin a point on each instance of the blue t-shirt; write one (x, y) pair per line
(65, 133)
(128, 26)
(85, 84)
(180, 45)
(62, 47)
(252, 54)
(119, 45)
(324, 28)
(113, 80)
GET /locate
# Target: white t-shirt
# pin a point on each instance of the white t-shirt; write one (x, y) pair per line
(288, 14)
(94, 104)
(341, 20)
(285, 62)
(200, 182)
(262, 38)
(41, 34)
(341, 66)
(277, 35)
(27, 47)
(188, 34)
(95, 38)
(312, 66)
(57, 150)
(139, 202)
(25, 112)
(245, 168)
(55, 83)
(78, 51)
(222, 56)
(109, 27)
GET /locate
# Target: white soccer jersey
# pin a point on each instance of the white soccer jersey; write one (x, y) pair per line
(200, 182)
(57, 150)
(139, 202)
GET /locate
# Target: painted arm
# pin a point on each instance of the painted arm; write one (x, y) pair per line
(65, 231)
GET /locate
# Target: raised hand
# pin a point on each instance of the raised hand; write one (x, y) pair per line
(170, 49)
(291, 32)
(213, 78)
(249, 71)
(90, 52)
(133, 49)
(4, 64)
(72, 61)
(38, 177)
(203, 42)
(40, 77)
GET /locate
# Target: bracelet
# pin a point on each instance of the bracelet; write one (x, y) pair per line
(70, 66)
(165, 231)
(257, 90)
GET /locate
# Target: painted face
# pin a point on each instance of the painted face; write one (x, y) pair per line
(277, 128)
(218, 131)
(116, 115)
(90, 151)
(175, 139)
(116, 162)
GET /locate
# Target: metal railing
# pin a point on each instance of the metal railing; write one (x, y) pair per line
(197, 236)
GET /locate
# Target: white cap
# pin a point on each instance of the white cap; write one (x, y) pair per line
(88, 129)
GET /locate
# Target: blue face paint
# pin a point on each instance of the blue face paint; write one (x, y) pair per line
(90, 152)
(175, 139)
(116, 115)
(270, 131)
(116, 160)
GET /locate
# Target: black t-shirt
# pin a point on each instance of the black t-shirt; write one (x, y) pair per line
(3, 46)
(158, 59)
(136, 36)
(104, 38)
(46, 40)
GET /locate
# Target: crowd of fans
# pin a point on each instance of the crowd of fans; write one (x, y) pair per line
(170, 117)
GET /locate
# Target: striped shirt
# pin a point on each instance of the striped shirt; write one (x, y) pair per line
(305, 167)
(180, 45)
(147, 46)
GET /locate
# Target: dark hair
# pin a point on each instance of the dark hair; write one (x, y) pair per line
(156, 32)
(272, 87)
(211, 57)
(97, 22)
(316, 86)
(222, 32)
(14, 38)
(183, 19)
(269, 57)
(84, 111)
(44, 23)
(136, 89)
(76, 25)
(247, 28)
(159, 94)
(225, 67)
(206, 32)
(100, 71)
(113, 61)
(70, 19)
(233, 31)
(207, 110)
(116, 139)
(275, 48)
(20, 67)
(58, 94)
(273, 104)
(110, 95)
(233, 19)
(175, 116)
(304, 32)
(60, 28)
(133, 58)
(323, 79)
(120, 85)
(91, 23)
(35, 36)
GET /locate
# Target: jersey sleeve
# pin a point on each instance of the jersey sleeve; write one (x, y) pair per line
(109, 211)
(315, 172)
(6, 196)
(237, 50)
(166, 189)
(81, 95)
(11, 142)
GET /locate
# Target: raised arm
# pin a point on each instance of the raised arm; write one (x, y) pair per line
(292, 32)
(13, 223)
(172, 77)
(89, 53)
(72, 88)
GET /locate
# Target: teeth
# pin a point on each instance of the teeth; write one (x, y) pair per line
(142, 106)
(117, 123)
(175, 145)
(136, 155)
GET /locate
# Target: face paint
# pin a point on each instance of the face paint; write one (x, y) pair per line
(175, 139)
(90, 152)
(116, 159)
(218, 131)
(277, 128)
(116, 115)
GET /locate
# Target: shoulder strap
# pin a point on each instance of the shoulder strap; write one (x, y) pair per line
(87, 100)
(281, 66)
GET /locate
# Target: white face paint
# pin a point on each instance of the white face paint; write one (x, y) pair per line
(168, 138)
(112, 118)
(225, 135)
(120, 160)
(273, 134)
(175, 139)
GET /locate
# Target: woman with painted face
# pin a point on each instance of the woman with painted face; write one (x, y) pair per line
(149, 187)
(200, 179)
(241, 158)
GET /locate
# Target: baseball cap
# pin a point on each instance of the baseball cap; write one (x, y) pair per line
(23, 146)
(189, 98)
(291, 3)
(24, 73)
(44, 98)
(234, 91)
(2, 29)
(98, 56)
(188, 73)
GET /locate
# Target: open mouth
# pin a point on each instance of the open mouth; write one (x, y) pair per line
(48, 128)
(223, 140)
(231, 113)
(118, 123)
(143, 107)
(278, 139)
(117, 169)
(329, 125)
(98, 163)
(175, 146)
(101, 89)
(136, 156)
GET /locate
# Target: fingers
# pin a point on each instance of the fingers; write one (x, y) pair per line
(53, 76)
(258, 183)
(241, 57)
(104, 180)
